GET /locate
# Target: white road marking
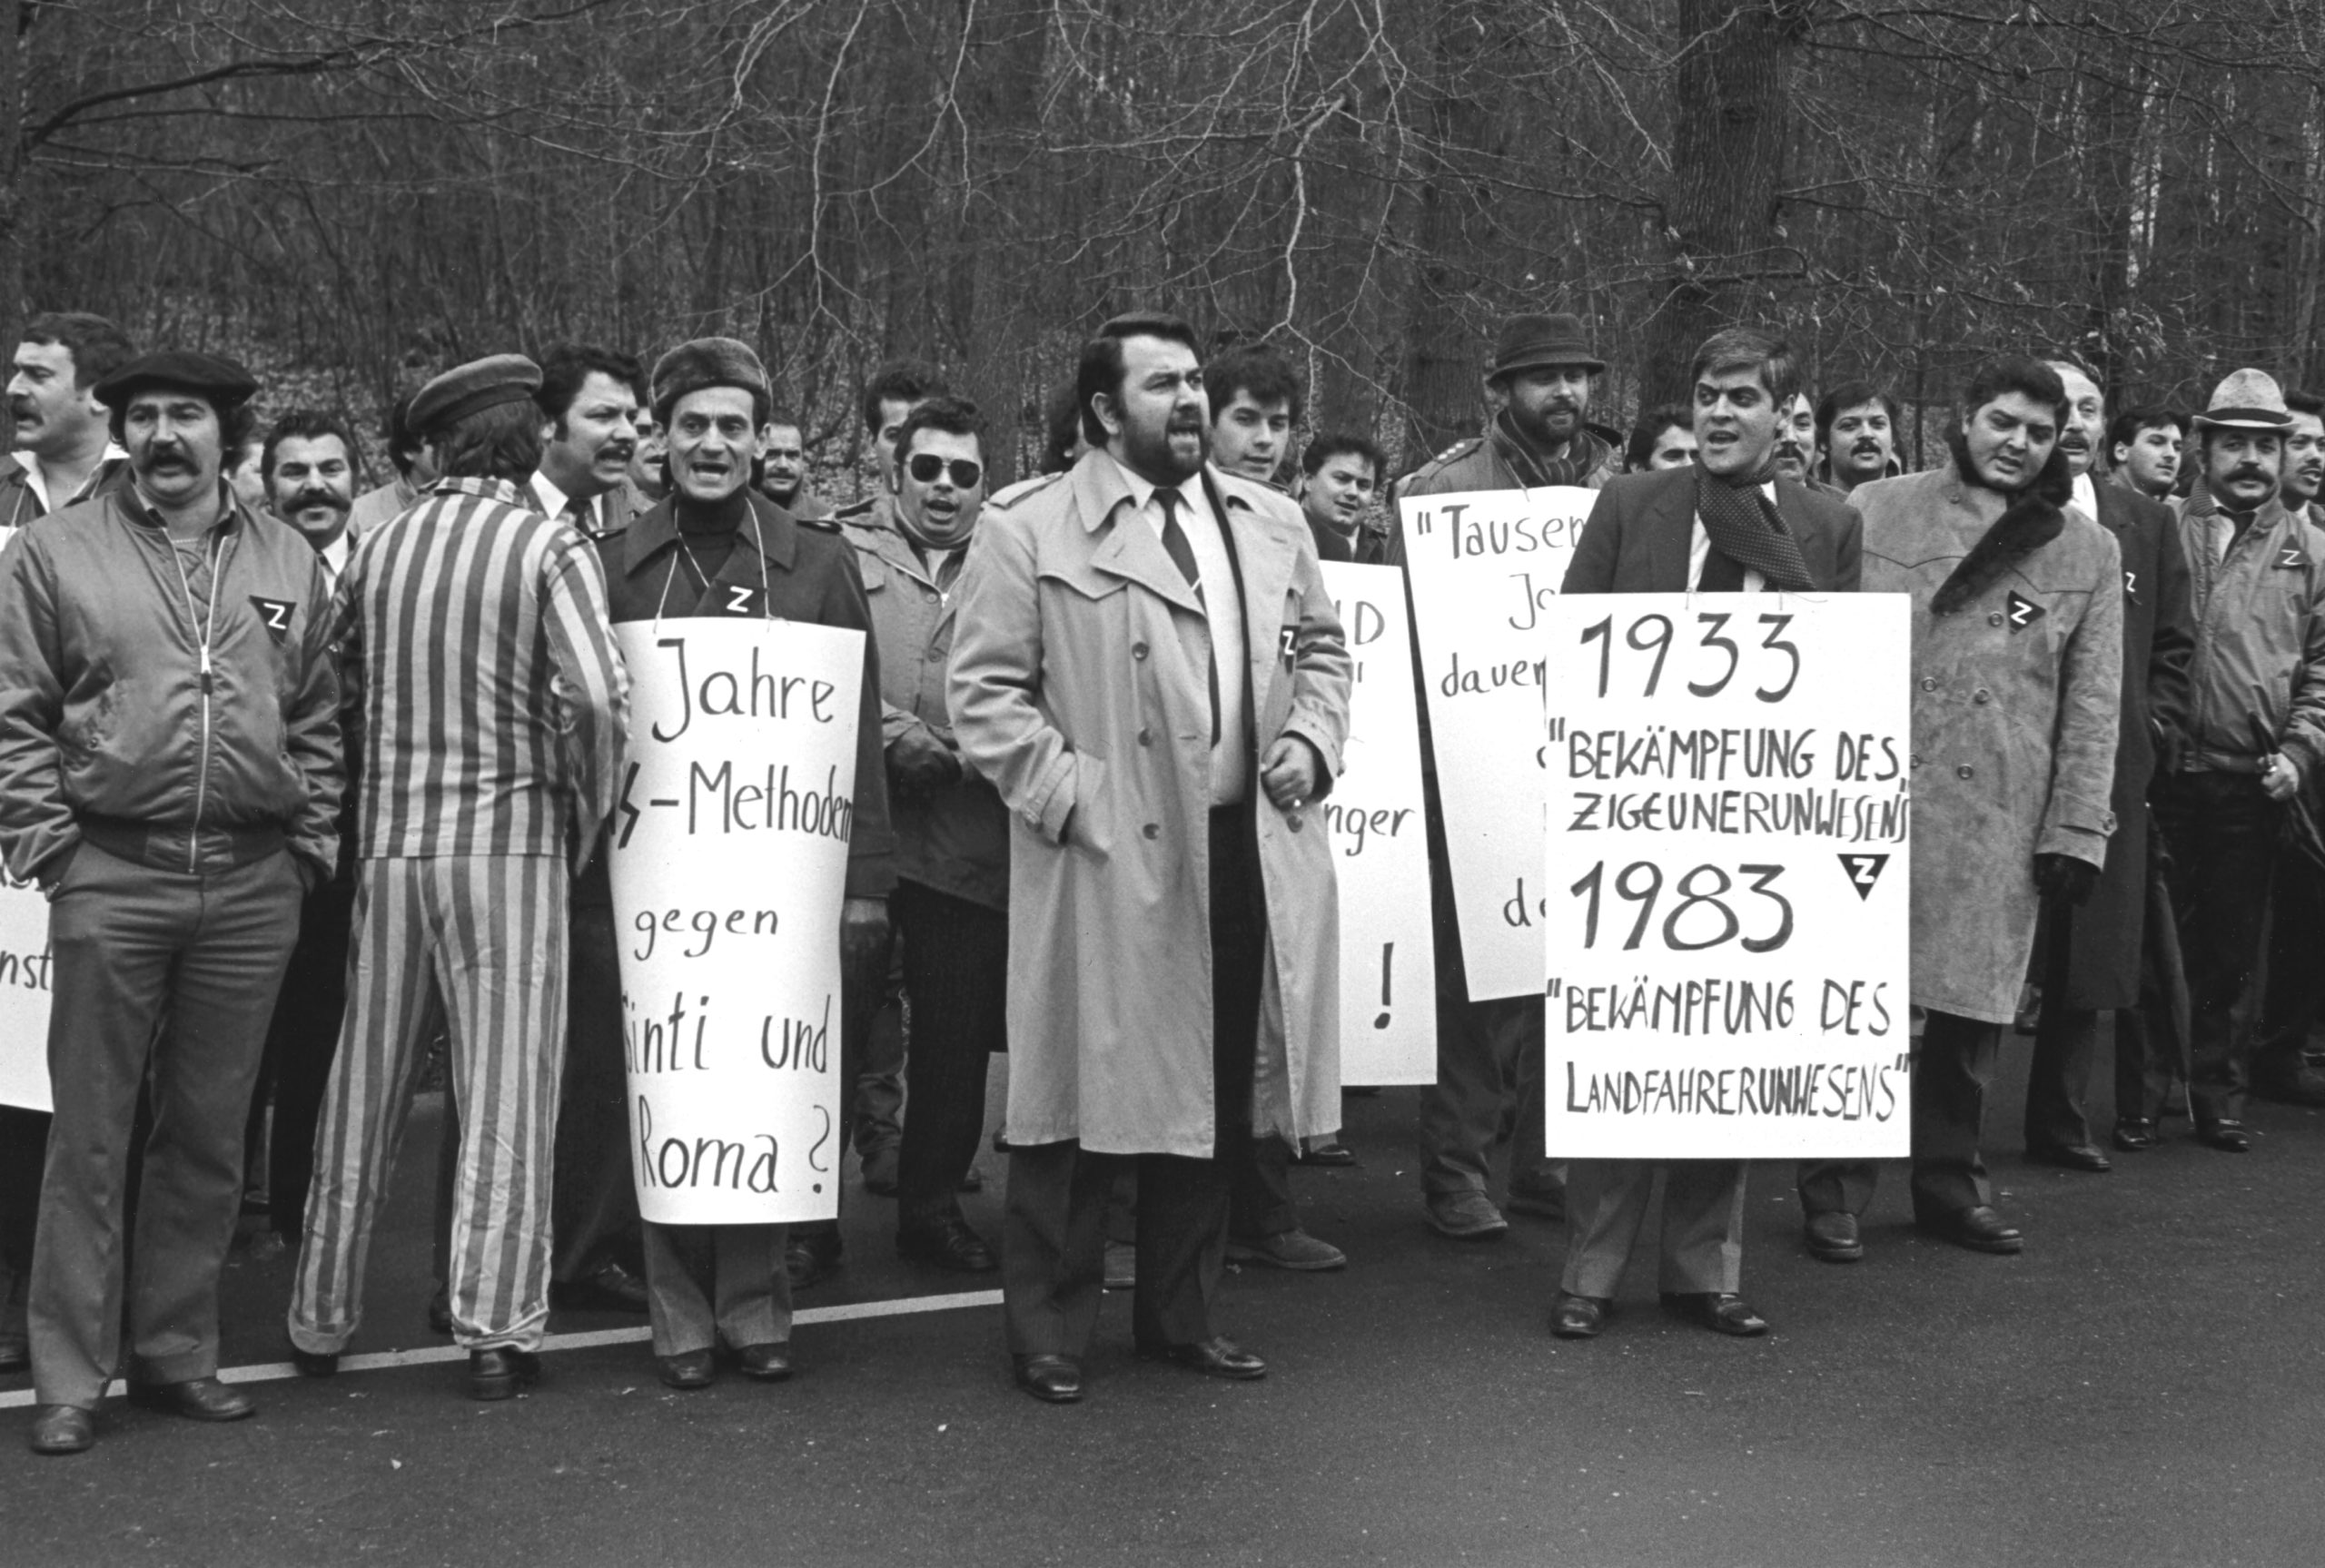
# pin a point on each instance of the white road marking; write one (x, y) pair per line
(275, 1371)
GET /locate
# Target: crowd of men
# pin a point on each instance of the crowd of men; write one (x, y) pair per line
(317, 782)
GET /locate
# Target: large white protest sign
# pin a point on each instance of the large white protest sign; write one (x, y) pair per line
(1380, 847)
(1725, 899)
(730, 865)
(1485, 566)
(24, 990)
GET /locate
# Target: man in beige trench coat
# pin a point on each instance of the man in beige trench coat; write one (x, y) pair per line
(1148, 669)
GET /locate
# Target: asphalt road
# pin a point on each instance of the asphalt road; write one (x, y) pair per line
(2144, 1385)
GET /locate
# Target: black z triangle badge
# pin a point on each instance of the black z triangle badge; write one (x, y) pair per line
(2023, 611)
(275, 614)
(2291, 559)
(734, 600)
(1863, 872)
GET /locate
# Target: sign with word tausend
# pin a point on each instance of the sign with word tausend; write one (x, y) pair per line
(730, 865)
(1726, 903)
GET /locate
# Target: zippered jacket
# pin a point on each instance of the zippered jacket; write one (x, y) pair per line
(2257, 682)
(191, 731)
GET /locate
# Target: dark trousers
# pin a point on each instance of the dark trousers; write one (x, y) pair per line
(2295, 988)
(167, 980)
(2151, 1039)
(2222, 833)
(1952, 1072)
(1260, 1202)
(24, 1150)
(956, 971)
(2067, 1040)
(593, 1203)
(300, 1042)
(1054, 1229)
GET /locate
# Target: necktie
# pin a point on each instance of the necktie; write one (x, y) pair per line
(581, 515)
(1183, 555)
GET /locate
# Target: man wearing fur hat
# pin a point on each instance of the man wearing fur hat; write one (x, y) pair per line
(2255, 730)
(2018, 622)
(715, 547)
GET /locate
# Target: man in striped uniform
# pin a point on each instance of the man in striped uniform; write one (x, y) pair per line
(492, 703)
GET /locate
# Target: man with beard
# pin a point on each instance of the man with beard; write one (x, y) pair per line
(63, 453)
(492, 703)
(2097, 958)
(1489, 1053)
(1729, 524)
(2256, 729)
(718, 548)
(952, 900)
(1664, 437)
(1338, 474)
(169, 767)
(783, 468)
(2143, 450)
(1856, 430)
(588, 397)
(1255, 402)
(2018, 619)
(1148, 669)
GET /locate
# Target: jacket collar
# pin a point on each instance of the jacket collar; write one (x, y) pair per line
(2202, 503)
(769, 529)
(231, 518)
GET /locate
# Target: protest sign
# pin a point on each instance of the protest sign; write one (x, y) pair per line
(1380, 847)
(730, 865)
(1485, 566)
(24, 990)
(1725, 899)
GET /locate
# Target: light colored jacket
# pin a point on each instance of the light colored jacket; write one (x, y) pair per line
(2260, 664)
(1079, 686)
(2014, 727)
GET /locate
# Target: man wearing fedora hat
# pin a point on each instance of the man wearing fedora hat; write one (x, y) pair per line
(2255, 730)
(1488, 1051)
(169, 770)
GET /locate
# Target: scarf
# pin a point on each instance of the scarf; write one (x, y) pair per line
(2035, 517)
(1585, 455)
(1745, 527)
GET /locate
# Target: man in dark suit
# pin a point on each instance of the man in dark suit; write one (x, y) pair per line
(2091, 956)
(1729, 524)
(1338, 477)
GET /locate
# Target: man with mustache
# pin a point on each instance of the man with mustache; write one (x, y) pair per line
(1856, 430)
(951, 905)
(64, 452)
(589, 399)
(2144, 450)
(2305, 455)
(1148, 669)
(1729, 524)
(1796, 440)
(2102, 956)
(2255, 731)
(1339, 476)
(2018, 619)
(169, 770)
(1489, 1053)
(783, 468)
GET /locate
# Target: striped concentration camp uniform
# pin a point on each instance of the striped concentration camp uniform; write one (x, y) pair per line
(493, 701)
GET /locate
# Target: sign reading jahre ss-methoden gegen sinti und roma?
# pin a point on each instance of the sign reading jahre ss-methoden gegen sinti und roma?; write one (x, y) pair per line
(1726, 913)
(730, 847)
(24, 996)
(1485, 565)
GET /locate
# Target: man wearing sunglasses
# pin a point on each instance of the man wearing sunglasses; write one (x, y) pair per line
(951, 906)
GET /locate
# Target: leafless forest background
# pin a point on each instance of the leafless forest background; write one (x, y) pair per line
(352, 195)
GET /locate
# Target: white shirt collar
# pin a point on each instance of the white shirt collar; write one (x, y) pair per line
(553, 501)
(37, 476)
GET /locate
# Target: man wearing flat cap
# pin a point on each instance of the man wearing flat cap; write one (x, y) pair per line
(169, 770)
(493, 704)
(717, 547)
(1491, 1053)
(2255, 731)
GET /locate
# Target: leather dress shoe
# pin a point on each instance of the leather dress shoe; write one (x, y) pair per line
(196, 1399)
(1721, 1311)
(499, 1373)
(1295, 1249)
(2071, 1157)
(1214, 1357)
(947, 1243)
(770, 1361)
(688, 1370)
(440, 1310)
(1053, 1379)
(2136, 1134)
(810, 1259)
(1466, 1216)
(63, 1429)
(1977, 1227)
(1577, 1316)
(1833, 1238)
(16, 1353)
(2227, 1137)
(315, 1363)
(612, 1289)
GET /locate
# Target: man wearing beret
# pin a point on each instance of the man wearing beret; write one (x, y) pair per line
(493, 704)
(1491, 1053)
(169, 769)
(715, 547)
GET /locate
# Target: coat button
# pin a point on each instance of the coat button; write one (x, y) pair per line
(1965, 771)
(1982, 696)
(1153, 830)
(1291, 818)
(1995, 619)
(1917, 759)
(1929, 683)
(1137, 650)
(1146, 737)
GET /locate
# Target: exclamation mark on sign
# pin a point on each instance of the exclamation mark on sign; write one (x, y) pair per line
(1388, 953)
